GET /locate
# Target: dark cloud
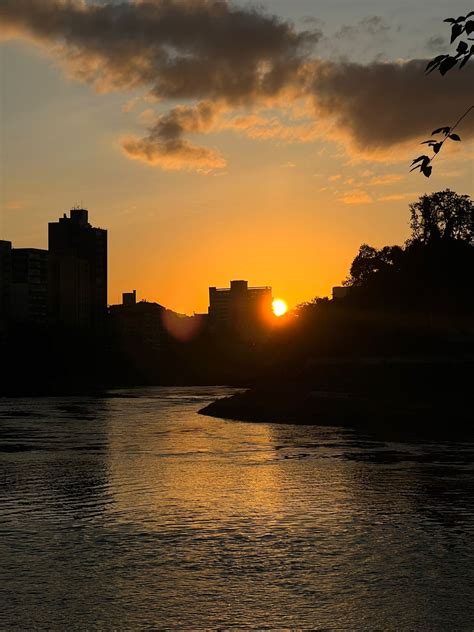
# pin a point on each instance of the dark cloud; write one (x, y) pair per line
(176, 48)
(225, 58)
(383, 104)
(372, 26)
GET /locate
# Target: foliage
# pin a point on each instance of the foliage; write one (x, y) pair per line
(459, 26)
(369, 261)
(309, 306)
(442, 215)
(463, 25)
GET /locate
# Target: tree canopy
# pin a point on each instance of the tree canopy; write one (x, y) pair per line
(442, 215)
(369, 261)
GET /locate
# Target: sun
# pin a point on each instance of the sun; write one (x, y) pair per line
(279, 307)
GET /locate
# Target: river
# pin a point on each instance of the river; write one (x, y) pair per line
(131, 511)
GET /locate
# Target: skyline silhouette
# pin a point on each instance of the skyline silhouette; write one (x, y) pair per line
(413, 301)
(66, 285)
(303, 186)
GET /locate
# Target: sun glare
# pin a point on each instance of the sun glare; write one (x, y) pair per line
(279, 307)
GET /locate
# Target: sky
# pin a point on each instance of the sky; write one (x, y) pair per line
(220, 141)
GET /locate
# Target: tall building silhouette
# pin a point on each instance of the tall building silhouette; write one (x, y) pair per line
(239, 307)
(29, 286)
(24, 275)
(5, 284)
(78, 294)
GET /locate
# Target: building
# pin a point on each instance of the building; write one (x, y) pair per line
(78, 251)
(24, 275)
(29, 286)
(5, 276)
(5, 283)
(129, 298)
(137, 325)
(240, 307)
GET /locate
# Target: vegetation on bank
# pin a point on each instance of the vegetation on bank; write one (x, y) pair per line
(396, 352)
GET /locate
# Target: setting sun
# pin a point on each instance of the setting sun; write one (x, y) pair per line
(279, 307)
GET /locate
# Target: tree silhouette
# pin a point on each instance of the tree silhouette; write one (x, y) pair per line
(441, 223)
(369, 261)
(442, 215)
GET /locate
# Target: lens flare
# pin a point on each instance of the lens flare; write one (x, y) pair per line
(279, 307)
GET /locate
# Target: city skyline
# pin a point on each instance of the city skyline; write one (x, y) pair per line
(291, 191)
(66, 285)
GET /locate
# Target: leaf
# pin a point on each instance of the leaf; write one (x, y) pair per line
(437, 147)
(456, 31)
(434, 63)
(441, 130)
(454, 137)
(426, 171)
(428, 142)
(451, 20)
(422, 158)
(447, 64)
(461, 18)
(469, 27)
(462, 47)
(468, 15)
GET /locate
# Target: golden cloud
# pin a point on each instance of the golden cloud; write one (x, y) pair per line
(357, 196)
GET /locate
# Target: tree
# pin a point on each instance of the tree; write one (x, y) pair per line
(442, 215)
(370, 261)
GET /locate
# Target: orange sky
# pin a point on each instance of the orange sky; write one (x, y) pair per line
(294, 190)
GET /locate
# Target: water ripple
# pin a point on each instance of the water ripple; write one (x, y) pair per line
(132, 512)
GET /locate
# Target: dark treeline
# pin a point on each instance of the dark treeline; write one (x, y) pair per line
(407, 312)
(394, 354)
(404, 322)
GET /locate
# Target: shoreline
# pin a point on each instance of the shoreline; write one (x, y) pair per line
(378, 412)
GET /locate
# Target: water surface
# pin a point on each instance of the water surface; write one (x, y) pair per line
(131, 511)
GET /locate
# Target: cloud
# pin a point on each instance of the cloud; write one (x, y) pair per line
(381, 105)
(273, 128)
(14, 205)
(452, 173)
(229, 63)
(166, 145)
(388, 178)
(369, 26)
(437, 44)
(357, 196)
(367, 39)
(130, 105)
(178, 49)
(393, 197)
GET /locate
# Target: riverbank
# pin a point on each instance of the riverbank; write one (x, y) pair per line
(342, 409)
(396, 394)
